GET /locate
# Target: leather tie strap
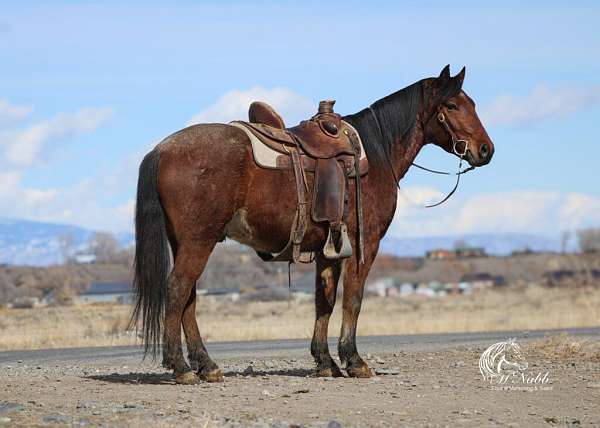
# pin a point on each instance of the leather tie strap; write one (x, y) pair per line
(300, 225)
(359, 212)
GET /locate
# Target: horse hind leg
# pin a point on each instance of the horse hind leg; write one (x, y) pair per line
(198, 356)
(191, 258)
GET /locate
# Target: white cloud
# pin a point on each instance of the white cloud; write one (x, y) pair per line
(10, 113)
(234, 105)
(9, 181)
(24, 147)
(81, 204)
(545, 213)
(84, 203)
(540, 104)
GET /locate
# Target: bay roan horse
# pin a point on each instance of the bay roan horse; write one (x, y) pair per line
(202, 185)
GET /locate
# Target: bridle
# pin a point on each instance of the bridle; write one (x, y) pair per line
(455, 141)
(461, 155)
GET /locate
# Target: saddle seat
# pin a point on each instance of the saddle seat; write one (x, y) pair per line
(323, 136)
(325, 145)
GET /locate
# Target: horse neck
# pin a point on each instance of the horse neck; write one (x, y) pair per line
(406, 150)
(384, 185)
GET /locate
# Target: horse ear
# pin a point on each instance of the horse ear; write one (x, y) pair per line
(445, 73)
(459, 78)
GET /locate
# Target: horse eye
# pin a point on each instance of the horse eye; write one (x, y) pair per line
(451, 106)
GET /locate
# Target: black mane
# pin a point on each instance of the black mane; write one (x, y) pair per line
(392, 118)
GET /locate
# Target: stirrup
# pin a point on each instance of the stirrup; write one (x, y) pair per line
(329, 250)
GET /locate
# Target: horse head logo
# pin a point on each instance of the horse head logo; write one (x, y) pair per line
(502, 358)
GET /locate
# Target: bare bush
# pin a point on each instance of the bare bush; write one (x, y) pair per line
(104, 246)
(67, 243)
(589, 240)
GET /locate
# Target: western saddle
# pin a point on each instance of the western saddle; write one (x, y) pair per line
(326, 146)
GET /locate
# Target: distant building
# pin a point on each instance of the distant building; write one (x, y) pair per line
(564, 277)
(26, 303)
(406, 289)
(381, 286)
(106, 292)
(229, 293)
(84, 259)
(457, 253)
(482, 280)
(464, 252)
(440, 254)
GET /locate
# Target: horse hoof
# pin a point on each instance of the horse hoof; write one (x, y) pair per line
(360, 371)
(187, 378)
(212, 376)
(329, 372)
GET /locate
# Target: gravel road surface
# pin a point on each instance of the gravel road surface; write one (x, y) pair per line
(422, 380)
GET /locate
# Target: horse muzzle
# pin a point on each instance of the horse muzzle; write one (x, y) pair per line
(482, 157)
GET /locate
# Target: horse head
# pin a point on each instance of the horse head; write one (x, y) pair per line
(454, 125)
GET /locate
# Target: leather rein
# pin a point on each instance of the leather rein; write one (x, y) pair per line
(461, 155)
(455, 141)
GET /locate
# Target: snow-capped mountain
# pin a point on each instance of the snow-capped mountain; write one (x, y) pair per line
(24, 242)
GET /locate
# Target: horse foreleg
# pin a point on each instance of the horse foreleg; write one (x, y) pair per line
(326, 282)
(354, 283)
(198, 356)
(189, 264)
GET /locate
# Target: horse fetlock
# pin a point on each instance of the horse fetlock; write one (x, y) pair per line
(175, 363)
(187, 378)
(319, 350)
(348, 353)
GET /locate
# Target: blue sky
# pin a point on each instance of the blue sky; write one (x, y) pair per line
(87, 87)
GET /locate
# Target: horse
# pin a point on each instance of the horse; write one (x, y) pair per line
(501, 358)
(201, 185)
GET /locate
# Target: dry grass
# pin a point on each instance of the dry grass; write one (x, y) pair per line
(102, 325)
(565, 347)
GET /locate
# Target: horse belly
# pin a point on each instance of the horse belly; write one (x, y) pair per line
(264, 222)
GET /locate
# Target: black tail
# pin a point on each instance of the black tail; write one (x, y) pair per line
(152, 259)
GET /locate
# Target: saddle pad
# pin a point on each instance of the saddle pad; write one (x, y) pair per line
(266, 157)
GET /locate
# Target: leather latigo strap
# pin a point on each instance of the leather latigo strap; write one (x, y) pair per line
(292, 250)
(359, 212)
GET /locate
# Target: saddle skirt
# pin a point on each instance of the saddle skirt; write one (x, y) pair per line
(270, 147)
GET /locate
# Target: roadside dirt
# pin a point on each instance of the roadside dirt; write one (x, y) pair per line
(441, 388)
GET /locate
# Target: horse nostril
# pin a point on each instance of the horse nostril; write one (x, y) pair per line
(484, 151)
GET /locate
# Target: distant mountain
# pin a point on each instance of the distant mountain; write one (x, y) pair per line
(24, 242)
(496, 244)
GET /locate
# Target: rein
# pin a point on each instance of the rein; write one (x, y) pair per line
(455, 141)
(461, 155)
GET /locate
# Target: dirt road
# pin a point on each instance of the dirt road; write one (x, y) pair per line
(424, 380)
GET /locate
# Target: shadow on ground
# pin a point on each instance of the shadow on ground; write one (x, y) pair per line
(167, 378)
(136, 378)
